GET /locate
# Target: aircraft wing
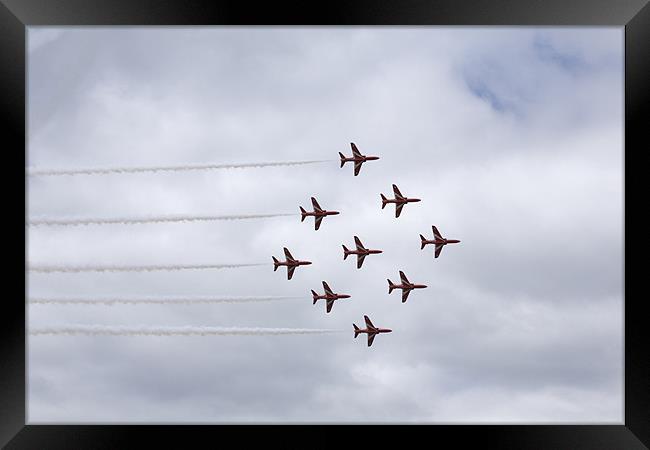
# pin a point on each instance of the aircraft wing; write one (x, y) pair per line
(327, 289)
(355, 150)
(398, 209)
(288, 254)
(318, 220)
(360, 258)
(371, 337)
(436, 233)
(315, 205)
(330, 303)
(397, 193)
(357, 241)
(368, 322)
(438, 249)
(357, 167)
(290, 270)
(405, 294)
(403, 278)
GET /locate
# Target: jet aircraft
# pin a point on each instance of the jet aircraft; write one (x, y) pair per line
(357, 158)
(291, 263)
(370, 329)
(399, 200)
(437, 240)
(361, 252)
(318, 213)
(405, 286)
(329, 296)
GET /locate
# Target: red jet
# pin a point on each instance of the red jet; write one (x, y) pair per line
(318, 213)
(438, 241)
(361, 252)
(329, 296)
(399, 201)
(405, 286)
(357, 158)
(291, 263)
(370, 329)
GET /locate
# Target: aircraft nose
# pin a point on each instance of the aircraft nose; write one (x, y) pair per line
(336, 213)
(307, 262)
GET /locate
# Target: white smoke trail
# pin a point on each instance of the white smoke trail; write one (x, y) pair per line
(154, 301)
(109, 170)
(73, 269)
(95, 330)
(136, 220)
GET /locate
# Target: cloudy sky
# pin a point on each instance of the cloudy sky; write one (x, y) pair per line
(512, 138)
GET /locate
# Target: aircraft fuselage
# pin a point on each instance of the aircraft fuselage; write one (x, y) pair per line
(373, 330)
(293, 263)
(364, 252)
(321, 213)
(441, 242)
(362, 158)
(410, 286)
(331, 297)
(402, 200)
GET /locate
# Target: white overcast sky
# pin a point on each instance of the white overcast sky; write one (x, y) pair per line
(512, 138)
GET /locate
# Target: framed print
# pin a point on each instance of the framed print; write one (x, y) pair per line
(277, 220)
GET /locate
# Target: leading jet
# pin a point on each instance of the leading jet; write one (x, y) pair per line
(357, 158)
(437, 240)
(318, 213)
(405, 286)
(329, 296)
(361, 252)
(370, 329)
(399, 200)
(291, 263)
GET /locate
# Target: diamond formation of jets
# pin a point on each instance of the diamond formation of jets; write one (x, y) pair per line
(357, 158)
(405, 286)
(329, 296)
(361, 252)
(399, 201)
(370, 329)
(291, 263)
(437, 240)
(318, 213)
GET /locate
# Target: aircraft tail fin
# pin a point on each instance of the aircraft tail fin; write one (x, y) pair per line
(303, 214)
(384, 201)
(314, 294)
(391, 286)
(356, 330)
(346, 252)
(342, 158)
(276, 263)
(423, 242)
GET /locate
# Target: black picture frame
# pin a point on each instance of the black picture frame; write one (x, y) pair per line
(633, 15)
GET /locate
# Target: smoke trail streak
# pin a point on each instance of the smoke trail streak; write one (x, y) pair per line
(160, 219)
(154, 301)
(72, 269)
(95, 330)
(109, 170)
